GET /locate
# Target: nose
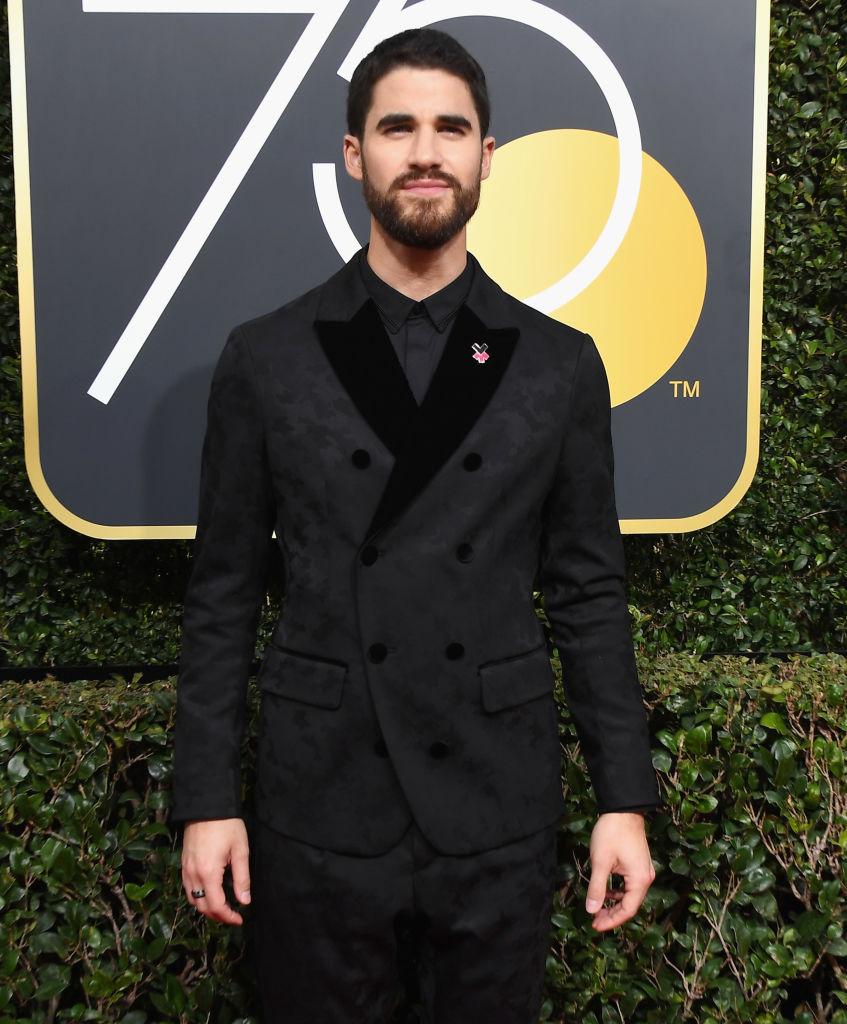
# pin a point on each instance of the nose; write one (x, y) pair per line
(425, 151)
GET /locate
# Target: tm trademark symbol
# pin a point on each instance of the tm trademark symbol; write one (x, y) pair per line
(690, 389)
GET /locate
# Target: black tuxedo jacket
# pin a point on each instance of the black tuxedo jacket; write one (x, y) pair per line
(408, 674)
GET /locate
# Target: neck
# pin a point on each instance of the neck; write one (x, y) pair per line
(416, 272)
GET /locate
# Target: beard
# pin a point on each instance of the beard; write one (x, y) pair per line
(423, 223)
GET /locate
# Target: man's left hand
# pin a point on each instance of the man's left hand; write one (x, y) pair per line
(618, 845)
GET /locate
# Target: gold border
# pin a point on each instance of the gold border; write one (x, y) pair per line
(23, 226)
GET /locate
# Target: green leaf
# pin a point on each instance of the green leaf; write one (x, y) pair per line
(774, 720)
(139, 892)
(17, 768)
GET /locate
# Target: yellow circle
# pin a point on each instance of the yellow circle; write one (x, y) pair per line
(542, 207)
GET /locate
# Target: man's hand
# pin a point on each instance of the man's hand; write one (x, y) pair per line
(207, 848)
(618, 845)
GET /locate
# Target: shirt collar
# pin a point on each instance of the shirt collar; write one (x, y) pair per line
(395, 307)
(343, 294)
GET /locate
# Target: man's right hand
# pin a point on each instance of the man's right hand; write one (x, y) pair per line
(207, 847)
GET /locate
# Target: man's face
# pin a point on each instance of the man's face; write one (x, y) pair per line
(421, 161)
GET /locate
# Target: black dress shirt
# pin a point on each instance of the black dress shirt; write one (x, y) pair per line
(418, 330)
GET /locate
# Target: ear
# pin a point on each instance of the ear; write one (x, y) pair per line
(487, 153)
(353, 156)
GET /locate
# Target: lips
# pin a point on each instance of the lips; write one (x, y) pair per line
(426, 183)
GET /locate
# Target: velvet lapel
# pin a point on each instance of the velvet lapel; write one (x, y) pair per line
(423, 437)
(364, 359)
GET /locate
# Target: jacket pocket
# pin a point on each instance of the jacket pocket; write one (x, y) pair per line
(298, 675)
(516, 679)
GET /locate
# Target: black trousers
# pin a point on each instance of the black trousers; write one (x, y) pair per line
(343, 939)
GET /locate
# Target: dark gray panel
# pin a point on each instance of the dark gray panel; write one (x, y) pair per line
(131, 116)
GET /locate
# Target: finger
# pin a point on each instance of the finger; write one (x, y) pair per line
(597, 885)
(214, 904)
(614, 894)
(240, 864)
(199, 903)
(189, 885)
(626, 906)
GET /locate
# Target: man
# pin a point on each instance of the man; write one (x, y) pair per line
(428, 450)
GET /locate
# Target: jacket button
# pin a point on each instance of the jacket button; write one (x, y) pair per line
(377, 652)
(464, 552)
(361, 459)
(473, 460)
(380, 748)
(439, 749)
(454, 650)
(369, 554)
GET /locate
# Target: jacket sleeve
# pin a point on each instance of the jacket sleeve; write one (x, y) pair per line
(227, 584)
(581, 575)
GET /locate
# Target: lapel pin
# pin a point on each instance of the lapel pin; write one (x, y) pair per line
(480, 352)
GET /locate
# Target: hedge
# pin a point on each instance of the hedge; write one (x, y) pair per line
(745, 920)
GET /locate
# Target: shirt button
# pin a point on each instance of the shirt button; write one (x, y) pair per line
(369, 554)
(439, 749)
(454, 650)
(473, 460)
(361, 459)
(377, 652)
(464, 552)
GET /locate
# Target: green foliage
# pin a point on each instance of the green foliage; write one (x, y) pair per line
(95, 922)
(745, 920)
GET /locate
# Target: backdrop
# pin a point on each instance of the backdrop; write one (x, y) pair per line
(201, 143)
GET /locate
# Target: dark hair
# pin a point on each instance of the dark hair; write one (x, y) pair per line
(418, 48)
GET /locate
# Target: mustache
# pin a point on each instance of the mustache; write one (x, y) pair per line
(403, 182)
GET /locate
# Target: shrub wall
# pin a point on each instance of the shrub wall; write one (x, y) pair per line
(744, 922)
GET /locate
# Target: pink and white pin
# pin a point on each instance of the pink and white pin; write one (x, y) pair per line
(480, 353)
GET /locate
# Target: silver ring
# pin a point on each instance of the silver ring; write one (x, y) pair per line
(198, 893)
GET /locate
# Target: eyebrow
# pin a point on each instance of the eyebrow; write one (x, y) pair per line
(389, 120)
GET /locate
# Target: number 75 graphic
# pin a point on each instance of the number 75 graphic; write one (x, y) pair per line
(387, 18)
